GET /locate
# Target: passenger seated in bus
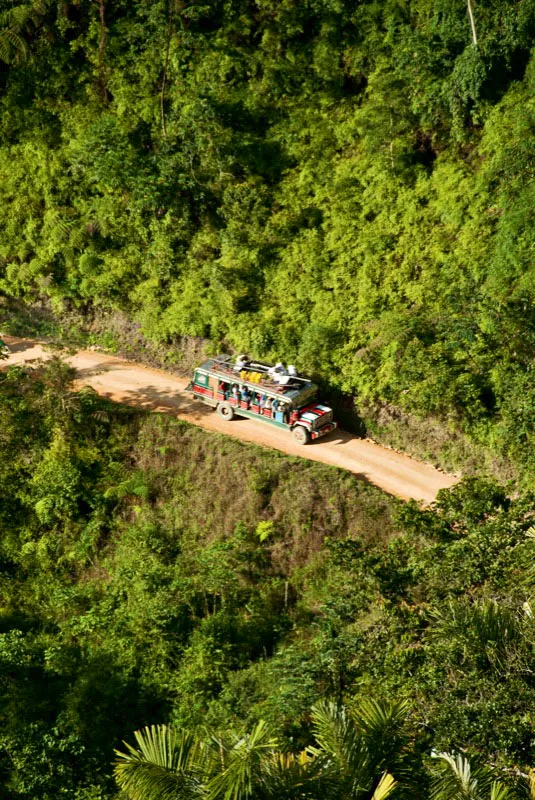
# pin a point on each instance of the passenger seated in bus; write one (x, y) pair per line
(235, 392)
(246, 395)
(262, 401)
(223, 387)
(269, 404)
(280, 410)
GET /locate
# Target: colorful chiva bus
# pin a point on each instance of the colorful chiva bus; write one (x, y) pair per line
(255, 390)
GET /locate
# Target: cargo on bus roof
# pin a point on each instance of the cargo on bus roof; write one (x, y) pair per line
(261, 374)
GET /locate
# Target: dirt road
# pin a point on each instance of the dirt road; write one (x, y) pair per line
(128, 382)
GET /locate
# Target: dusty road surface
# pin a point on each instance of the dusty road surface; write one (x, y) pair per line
(128, 382)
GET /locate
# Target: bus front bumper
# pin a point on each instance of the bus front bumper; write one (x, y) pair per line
(331, 426)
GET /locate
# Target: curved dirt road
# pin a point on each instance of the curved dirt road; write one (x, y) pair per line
(128, 382)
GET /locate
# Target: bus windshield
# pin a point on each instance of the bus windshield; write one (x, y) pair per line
(305, 396)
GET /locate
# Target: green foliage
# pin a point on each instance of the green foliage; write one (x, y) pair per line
(457, 780)
(165, 765)
(341, 763)
(264, 529)
(240, 767)
(359, 748)
(133, 593)
(483, 631)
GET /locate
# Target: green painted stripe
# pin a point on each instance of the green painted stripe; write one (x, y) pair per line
(242, 412)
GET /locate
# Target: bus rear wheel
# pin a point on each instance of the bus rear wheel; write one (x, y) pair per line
(301, 434)
(225, 411)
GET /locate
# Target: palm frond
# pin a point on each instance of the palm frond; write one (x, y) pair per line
(145, 781)
(333, 731)
(484, 628)
(293, 776)
(12, 46)
(18, 16)
(373, 715)
(347, 760)
(78, 238)
(456, 780)
(5, 49)
(385, 787)
(164, 766)
(381, 723)
(13, 17)
(244, 762)
(499, 791)
(56, 226)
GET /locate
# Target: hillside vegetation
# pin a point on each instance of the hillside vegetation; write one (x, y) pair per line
(154, 573)
(344, 185)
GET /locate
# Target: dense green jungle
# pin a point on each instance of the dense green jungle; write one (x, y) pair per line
(346, 185)
(281, 616)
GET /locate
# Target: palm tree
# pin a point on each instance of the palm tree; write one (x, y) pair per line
(254, 767)
(456, 779)
(165, 766)
(181, 766)
(348, 762)
(13, 22)
(358, 749)
(483, 631)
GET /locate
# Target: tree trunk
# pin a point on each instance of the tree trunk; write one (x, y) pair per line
(472, 23)
(101, 49)
(164, 78)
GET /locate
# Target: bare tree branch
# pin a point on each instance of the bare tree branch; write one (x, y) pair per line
(472, 22)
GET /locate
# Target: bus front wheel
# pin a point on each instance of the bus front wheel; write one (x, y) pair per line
(301, 434)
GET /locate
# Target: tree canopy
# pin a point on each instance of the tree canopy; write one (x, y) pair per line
(346, 185)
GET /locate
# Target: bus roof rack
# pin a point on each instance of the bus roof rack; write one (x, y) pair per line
(224, 364)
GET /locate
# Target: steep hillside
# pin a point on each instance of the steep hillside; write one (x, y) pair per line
(151, 572)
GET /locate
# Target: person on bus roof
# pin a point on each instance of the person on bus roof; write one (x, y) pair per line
(276, 371)
(242, 362)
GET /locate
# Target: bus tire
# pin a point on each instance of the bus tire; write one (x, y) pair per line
(225, 411)
(301, 434)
